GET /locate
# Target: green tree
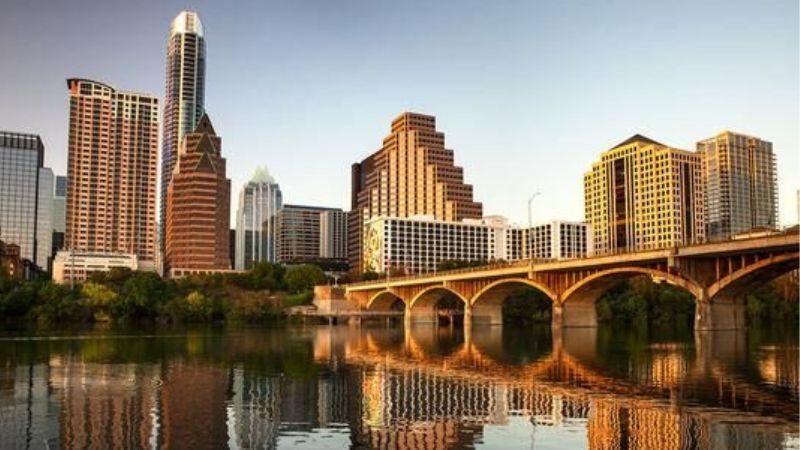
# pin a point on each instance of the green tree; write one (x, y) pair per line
(142, 296)
(303, 278)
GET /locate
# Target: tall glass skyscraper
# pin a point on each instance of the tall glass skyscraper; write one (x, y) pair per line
(259, 202)
(26, 193)
(185, 90)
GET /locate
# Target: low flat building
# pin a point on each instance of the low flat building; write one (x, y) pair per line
(78, 266)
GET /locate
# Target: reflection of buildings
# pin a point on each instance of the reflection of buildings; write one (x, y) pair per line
(28, 417)
(103, 405)
(192, 404)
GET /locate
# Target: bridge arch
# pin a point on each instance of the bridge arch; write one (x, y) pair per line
(758, 273)
(592, 287)
(487, 303)
(577, 307)
(423, 306)
(383, 301)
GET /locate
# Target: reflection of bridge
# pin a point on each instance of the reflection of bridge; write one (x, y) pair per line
(716, 274)
(409, 388)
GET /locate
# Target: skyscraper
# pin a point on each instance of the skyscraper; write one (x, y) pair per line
(412, 174)
(111, 171)
(259, 201)
(644, 195)
(185, 90)
(198, 206)
(24, 197)
(740, 184)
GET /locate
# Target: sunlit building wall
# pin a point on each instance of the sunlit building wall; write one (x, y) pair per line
(644, 195)
(412, 174)
(111, 171)
(741, 187)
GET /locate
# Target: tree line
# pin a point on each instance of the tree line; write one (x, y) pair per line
(259, 294)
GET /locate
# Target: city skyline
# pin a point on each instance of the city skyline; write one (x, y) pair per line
(529, 103)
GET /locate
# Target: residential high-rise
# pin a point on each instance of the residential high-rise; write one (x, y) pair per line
(59, 214)
(741, 188)
(25, 196)
(412, 174)
(644, 195)
(198, 206)
(259, 201)
(185, 91)
(111, 171)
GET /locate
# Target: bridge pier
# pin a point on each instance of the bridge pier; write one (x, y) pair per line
(726, 313)
(574, 315)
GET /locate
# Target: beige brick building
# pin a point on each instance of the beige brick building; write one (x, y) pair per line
(412, 174)
(644, 195)
(111, 170)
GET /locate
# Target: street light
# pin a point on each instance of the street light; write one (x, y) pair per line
(530, 224)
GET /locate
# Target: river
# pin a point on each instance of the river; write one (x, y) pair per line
(315, 387)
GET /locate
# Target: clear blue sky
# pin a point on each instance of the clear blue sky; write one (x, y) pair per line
(528, 93)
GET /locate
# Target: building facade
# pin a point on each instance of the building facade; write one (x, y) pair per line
(558, 240)
(111, 171)
(198, 206)
(78, 265)
(644, 195)
(256, 236)
(411, 174)
(25, 196)
(59, 214)
(419, 244)
(299, 236)
(184, 95)
(333, 234)
(741, 188)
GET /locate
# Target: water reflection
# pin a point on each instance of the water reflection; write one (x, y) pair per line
(415, 388)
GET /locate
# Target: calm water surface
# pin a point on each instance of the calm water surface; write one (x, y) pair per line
(418, 388)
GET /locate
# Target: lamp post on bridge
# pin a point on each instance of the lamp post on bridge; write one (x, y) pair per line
(530, 224)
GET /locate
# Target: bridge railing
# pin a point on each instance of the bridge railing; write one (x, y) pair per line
(527, 262)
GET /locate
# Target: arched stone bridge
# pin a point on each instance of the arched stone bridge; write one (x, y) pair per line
(718, 275)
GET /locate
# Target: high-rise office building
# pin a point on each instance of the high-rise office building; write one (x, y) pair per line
(412, 174)
(59, 214)
(25, 207)
(185, 91)
(259, 201)
(741, 188)
(333, 234)
(111, 171)
(198, 206)
(644, 195)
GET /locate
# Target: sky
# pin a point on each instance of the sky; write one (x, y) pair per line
(528, 93)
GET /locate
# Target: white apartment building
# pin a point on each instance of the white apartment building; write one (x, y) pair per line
(419, 244)
(559, 240)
